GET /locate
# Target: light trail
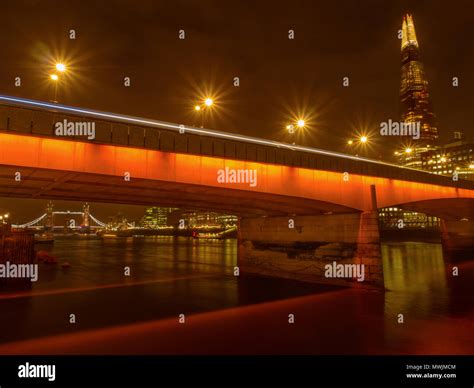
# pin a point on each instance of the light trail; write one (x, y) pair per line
(61, 291)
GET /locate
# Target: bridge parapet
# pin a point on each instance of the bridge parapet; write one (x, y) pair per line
(118, 131)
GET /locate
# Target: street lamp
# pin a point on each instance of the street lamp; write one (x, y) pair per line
(201, 109)
(363, 139)
(350, 142)
(61, 67)
(300, 123)
(408, 150)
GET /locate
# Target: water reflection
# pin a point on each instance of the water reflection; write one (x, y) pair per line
(172, 275)
(101, 261)
(414, 273)
(415, 277)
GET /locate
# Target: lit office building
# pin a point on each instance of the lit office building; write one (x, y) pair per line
(156, 217)
(209, 220)
(395, 218)
(454, 158)
(203, 220)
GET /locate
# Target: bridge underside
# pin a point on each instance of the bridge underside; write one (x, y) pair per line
(74, 186)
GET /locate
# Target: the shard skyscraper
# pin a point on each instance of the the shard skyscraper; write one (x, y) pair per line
(415, 101)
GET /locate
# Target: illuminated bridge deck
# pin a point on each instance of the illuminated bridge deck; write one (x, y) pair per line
(29, 117)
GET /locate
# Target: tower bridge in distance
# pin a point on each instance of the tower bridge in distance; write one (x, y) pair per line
(308, 207)
(46, 220)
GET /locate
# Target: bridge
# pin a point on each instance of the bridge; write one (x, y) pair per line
(306, 207)
(46, 220)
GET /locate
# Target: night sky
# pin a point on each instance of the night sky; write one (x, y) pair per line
(279, 78)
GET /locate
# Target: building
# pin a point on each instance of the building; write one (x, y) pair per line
(156, 217)
(415, 109)
(117, 222)
(415, 100)
(203, 220)
(395, 218)
(454, 158)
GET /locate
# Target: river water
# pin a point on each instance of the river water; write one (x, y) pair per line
(117, 282)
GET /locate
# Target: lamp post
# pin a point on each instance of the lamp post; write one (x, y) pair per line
(55, 79)
(208, 103)
(201, 109)
(60, 68)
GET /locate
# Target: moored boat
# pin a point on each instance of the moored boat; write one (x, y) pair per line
(44, 238)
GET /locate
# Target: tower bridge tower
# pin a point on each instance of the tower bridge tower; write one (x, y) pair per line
(86, 215)
(49, 221)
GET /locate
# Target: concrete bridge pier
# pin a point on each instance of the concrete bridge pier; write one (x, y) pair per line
(457, 238)
(312, 248)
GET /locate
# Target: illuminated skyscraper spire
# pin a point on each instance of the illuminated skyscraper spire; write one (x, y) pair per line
(408, 30)
(415, 100)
